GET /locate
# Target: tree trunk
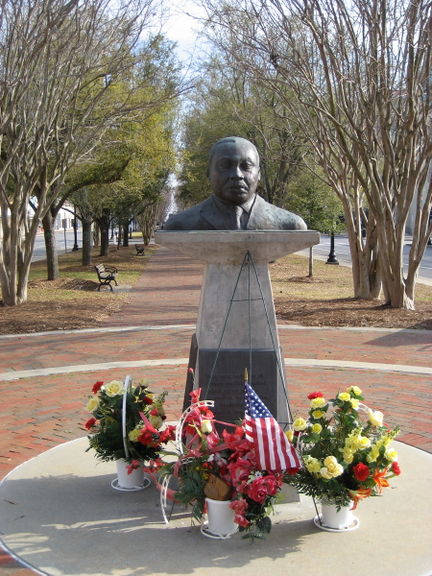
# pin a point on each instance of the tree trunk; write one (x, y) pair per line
(86, 258)
(50, 246)
(125, 234)
(16, 252)
(104, 235)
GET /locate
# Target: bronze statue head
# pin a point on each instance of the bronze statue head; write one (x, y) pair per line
(233, 169)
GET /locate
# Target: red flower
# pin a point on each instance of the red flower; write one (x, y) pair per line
(240, 506)
(194, 394)
(361, 472)
(90, 423)
(313, 395)
(147, 400)
(147, 436)
(240, 470)
(154, 412)
(167, 434)
(262, 487)
(97, 387)
(134, 465)
(396, 468)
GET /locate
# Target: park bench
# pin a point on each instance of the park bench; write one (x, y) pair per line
(139, 249)
(106, 275)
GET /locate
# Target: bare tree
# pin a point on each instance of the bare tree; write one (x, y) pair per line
(357, 75)
(59, 65)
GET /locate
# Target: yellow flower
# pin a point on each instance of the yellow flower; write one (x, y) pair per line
(92, 404)
(312, 464)
(344, 396)
(318, 402)
(133, 434)
(348, 456)
(376, 417)
(391, 454)
(114, 388)
(317, 414)
(325, 473)
(363, 442)
(290, 435)
(156, 421)
(373, 453)
(333, 466)
(316, 428)
(206, 426)
(354, 390)
(355, 403)
(299, 424)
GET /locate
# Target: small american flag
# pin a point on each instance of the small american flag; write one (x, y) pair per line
(273, 451)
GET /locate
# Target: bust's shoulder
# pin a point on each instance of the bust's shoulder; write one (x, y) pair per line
(187, 219)
(269, 216)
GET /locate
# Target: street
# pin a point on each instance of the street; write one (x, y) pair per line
(342, 252)
(64, 239)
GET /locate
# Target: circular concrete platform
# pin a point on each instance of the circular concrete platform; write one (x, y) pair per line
(60, 516)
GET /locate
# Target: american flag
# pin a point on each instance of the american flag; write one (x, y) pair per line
(273, 451)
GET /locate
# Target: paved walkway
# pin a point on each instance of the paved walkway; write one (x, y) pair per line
(45, 378)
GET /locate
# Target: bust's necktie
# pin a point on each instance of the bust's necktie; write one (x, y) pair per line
(237, 214)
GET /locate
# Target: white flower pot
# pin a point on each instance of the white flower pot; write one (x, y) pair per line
(334, 520)
(129, 482)
(220, 519)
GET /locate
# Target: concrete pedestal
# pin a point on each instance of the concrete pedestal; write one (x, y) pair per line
(236, 325)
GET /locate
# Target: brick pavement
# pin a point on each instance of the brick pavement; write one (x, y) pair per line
(38, 412)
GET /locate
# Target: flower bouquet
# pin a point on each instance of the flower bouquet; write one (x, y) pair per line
(223, 467)
(346, 449)
(126, 422)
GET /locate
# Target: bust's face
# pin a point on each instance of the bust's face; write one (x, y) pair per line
(234, 171)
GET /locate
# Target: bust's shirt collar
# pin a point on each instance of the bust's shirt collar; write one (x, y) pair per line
(247, 206)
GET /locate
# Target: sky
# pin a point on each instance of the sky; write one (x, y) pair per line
(182, 27)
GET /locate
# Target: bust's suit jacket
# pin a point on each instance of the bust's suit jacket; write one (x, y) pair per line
(209, 216)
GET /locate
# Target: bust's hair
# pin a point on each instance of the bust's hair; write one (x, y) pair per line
(232, 139)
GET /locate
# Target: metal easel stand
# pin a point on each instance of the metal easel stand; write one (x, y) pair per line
(248, 267)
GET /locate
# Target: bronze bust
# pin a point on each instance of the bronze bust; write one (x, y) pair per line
(234, 173)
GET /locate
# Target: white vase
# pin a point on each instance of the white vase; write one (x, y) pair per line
(334, 520)
(220, 519)
(129, 482)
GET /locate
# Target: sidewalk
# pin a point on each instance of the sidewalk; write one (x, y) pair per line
(46, 378)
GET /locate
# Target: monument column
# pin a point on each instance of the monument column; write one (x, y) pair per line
(236, 324)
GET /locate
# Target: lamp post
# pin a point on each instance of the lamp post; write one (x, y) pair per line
(332, 256)
(74, 224)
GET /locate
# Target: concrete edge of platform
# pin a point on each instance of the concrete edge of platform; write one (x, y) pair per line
(293, 362)
(145, 327)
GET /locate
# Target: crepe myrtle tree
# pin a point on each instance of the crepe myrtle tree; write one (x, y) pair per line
(358, 76)
(59, 66)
